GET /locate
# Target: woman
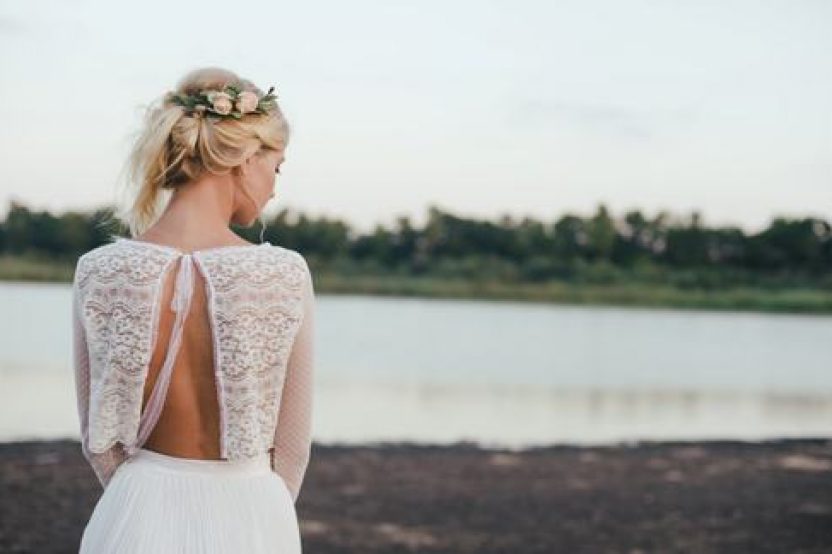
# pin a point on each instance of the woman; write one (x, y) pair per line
(194, 348)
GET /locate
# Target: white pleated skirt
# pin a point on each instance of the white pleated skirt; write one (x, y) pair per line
(157, 503)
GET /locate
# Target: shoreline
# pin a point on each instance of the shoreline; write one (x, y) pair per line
(787, 301)
(655, 496)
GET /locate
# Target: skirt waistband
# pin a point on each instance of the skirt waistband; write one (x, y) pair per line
(260, 463)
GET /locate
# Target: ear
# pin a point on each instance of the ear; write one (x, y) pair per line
(253, 155)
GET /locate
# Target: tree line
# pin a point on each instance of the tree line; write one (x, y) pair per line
(598, 248)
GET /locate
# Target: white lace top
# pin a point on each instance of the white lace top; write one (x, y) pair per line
(260, 304)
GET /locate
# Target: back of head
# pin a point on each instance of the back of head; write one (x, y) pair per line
(179, 141)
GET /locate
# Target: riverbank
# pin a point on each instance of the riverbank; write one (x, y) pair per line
(786, 300)
(682, 497)
(797, 301)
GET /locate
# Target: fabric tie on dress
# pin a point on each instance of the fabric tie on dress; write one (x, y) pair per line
(180, 303)
(184, 286)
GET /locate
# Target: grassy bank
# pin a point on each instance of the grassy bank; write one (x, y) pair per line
(30, 268)
(634, 294)
(785, 300)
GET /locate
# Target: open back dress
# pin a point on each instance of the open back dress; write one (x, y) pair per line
(216, 345)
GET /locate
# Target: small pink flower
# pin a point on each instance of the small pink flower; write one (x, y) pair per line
(246, 102)
(221, 102)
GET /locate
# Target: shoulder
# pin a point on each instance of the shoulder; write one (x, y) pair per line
(88, 260)
(98, 252)
(117, 247)
(295, 262)
(121, 259)
(292, 256)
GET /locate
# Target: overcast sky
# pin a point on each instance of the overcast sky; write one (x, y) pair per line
(482, 108)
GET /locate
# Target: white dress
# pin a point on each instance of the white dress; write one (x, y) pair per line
(259, 307)
(163, 504)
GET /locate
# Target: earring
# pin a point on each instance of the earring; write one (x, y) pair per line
(262, 227)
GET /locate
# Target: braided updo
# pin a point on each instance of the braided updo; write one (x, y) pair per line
(174, 146)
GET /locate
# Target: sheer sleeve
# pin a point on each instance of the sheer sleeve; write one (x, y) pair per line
(293, 434)
(103, 464)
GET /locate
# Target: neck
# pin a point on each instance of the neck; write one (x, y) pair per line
(199, 210)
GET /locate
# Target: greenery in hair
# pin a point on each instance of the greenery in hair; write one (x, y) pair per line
(203, 101)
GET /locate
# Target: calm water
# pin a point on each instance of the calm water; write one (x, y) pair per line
(500, 373)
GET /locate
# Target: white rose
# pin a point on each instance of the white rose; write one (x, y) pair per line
(247, 102)
(221, 103)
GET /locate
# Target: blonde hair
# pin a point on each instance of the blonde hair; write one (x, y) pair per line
(172, 148)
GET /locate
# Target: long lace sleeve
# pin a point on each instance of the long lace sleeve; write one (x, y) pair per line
(293, 434)
(103, 464)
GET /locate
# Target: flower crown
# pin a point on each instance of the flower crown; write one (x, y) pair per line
(232, 101)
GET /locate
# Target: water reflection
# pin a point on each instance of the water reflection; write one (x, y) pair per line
(528, 415)
(508, 415)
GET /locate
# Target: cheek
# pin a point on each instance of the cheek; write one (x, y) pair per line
(263, 178)
(265, 183)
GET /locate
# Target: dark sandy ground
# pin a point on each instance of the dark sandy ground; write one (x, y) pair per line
(703, 497)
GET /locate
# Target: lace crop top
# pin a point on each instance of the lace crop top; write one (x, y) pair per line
(260, 303)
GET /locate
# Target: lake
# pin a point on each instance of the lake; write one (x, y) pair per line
(502, 373)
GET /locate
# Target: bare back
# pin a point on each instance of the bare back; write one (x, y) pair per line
(189, 423)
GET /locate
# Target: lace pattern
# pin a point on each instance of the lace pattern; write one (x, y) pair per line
(260, 300)
(256, 309)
